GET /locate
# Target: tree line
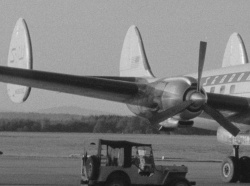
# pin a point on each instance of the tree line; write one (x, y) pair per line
(92, 124)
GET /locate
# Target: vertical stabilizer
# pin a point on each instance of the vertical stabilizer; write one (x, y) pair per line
(235, 53)
(20, 56)
(133, 60)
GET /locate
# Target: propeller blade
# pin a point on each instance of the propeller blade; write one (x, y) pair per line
(224, 122)
(157, 118)
(202, 54)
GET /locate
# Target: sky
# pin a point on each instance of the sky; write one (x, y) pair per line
(85, 37)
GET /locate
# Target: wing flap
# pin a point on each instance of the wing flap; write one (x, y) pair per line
(96, 87)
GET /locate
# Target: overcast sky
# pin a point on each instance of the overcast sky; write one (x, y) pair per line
(85, 38)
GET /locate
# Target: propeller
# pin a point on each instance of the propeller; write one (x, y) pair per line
(202, 54)
(217, 116)
(198, 100)
(224, 122)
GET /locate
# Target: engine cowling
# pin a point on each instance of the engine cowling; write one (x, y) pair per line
(166, 93)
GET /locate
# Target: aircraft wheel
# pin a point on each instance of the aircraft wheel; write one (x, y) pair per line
(230, 170)
(244, 169)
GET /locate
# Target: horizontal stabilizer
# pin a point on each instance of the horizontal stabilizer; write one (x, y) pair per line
(235, 53)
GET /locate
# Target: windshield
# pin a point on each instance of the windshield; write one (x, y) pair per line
(142, 151)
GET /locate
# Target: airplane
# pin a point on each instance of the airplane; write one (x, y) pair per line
(221, 94)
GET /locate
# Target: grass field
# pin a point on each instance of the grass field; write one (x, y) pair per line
(72, 144)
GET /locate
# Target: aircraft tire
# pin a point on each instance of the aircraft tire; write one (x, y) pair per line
(230, 170)
(92, 167)
(244, 169)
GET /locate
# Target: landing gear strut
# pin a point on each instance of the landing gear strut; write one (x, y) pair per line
(230, 167)
(235, 169)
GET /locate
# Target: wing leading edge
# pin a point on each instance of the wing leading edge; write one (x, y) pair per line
(96, 87)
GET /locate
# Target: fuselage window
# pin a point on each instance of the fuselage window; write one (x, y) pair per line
(212, 89)
(232, 89)
(222, 89)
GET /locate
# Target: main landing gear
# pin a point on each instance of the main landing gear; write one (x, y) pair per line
(235, 169)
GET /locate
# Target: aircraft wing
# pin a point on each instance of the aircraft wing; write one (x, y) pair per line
(112, 89)
(228, 102)
(234, 108)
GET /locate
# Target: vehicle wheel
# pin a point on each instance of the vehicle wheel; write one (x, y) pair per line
(92, 167)
(117, 181)
(179, 182)
(83, 182)
(230, 170)
(244, 169)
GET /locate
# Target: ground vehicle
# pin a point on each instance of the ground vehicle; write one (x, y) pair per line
(123, 163)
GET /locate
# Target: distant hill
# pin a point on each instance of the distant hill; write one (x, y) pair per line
(73, 110)
(37, 116)
(57, 113)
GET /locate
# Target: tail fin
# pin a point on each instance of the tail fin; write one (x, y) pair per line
(133, 60)
(235, 53)
(20, 56)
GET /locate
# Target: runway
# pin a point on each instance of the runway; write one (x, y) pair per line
(39, 171)
(66, 171)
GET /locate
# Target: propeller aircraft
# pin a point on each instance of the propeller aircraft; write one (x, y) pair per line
(221, 94)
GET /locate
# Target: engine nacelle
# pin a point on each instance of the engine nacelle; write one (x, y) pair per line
(171, 124)
(225, 137)
(163, 94)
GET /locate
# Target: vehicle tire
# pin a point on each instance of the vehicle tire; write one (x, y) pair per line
(83, 182)
(92, 167)
(230, 170)
(244, 169)
(117, 181)
(179, 181)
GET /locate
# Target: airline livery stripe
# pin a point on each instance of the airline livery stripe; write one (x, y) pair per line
(226, 78)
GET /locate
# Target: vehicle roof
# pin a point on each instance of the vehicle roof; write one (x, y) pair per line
(121, 143)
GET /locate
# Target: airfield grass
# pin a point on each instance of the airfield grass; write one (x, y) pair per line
(72, 145)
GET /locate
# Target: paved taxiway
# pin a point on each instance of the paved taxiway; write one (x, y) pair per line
(66, 171)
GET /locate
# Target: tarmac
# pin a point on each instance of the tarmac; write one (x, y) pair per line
(51, 171)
